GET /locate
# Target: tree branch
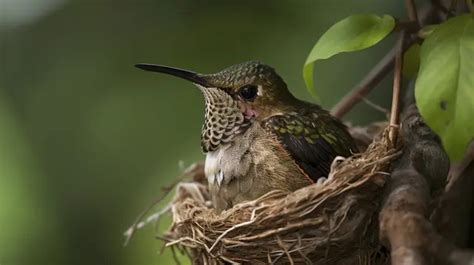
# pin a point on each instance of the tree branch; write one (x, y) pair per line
(404, 226)
(453, 222)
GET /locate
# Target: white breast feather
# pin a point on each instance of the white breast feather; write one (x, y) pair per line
(212, 168)
(231, 160)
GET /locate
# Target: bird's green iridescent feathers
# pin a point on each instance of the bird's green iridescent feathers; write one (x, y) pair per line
(313, 138)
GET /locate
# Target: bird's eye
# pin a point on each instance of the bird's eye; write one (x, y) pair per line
(248, 92)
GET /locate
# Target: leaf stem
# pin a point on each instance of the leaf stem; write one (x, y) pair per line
(397, 76)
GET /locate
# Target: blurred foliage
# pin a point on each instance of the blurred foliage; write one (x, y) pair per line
(87, 140)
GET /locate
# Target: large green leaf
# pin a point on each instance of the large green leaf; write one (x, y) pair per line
(445, 86)
(353, 33)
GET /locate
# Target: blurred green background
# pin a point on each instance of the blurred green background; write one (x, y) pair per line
(87, 140)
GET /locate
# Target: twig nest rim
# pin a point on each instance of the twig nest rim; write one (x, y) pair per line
(326, 223)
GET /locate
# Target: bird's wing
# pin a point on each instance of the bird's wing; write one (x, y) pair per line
(312, 139)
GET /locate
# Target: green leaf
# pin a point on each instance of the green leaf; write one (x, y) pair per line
(444, 89)
(411, 61)
(353, 33)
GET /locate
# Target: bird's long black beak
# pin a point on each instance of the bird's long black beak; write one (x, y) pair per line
(185, 74)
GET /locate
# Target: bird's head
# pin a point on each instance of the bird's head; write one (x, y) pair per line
(234, 97)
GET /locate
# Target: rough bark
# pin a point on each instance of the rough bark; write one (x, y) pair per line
(405, 227)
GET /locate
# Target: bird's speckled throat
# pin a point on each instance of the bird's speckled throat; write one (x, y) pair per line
(223, 119)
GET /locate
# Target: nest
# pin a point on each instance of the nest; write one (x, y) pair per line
(330, 223)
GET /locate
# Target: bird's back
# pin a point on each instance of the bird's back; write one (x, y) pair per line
(312, 137)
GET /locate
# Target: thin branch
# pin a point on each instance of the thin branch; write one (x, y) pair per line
(397, 76)
(381, 69)
(411, 10)
(371, 80)
(138, 222)
(375, 106)
(191, 171)
(408, 26)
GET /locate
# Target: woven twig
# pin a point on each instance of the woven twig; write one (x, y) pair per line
(330, 223)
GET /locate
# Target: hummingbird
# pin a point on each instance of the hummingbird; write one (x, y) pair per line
(257, 136)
